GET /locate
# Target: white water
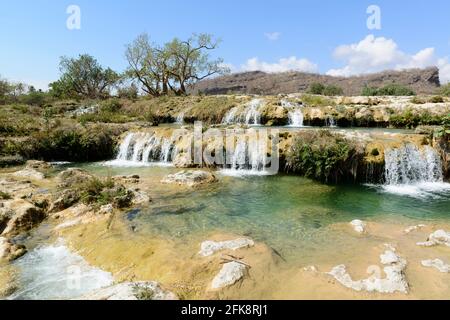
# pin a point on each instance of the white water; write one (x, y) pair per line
(330, 122)
(413, 172)
(248, 158)
(144, 149)
(251, 115)
(53, 272)
(180, 118)
(295, 113)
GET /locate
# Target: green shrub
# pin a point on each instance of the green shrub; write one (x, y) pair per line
(437, 99)
(410, 119)
(333, 91)
(316, 101)
(321, 156)
(5, 196)
(388, 90)
(316, 88)
(445, 90)
(111, 105)
(101, 192)
(418, 100)
(142, 292)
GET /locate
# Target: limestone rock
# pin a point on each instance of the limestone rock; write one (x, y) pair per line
(73, 176)
(66, 199)
(229, 274)
(10, 251)
(436, 238)
(20, 216)
(140, 197)
(190, 178)
(208, 248)
(29, 173)
(37, 165)
(149, 290)
(359, 226)
(414, 228)
(395, 280)
(437, 264)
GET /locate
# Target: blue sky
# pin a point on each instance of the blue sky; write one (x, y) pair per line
(320, 36)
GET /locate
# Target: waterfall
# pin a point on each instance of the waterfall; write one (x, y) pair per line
(250, 115)
(330, 122)
(180, 118)
(414, 172)
(144, 149)
(295, 113)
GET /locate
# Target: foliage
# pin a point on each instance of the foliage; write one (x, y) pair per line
(388, 90)
(411, 119)
(142, 292)
(111, 105)
(5, 196)
(320, 89)
(437, 99)
(84, 77)
(445, 90)
(316, 101)
(321, 156)
(173, 66)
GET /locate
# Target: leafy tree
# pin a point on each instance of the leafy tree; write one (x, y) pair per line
(5, 89)
(446, 90)
(388, 90)
(190, 61)
(332, 90)
(316, 88)
(84, 77)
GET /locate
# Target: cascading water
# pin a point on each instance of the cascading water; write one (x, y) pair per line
(295, 113)
(330, 122)
(144, 149)
(251, 114)
(414, 172)
(180, 118)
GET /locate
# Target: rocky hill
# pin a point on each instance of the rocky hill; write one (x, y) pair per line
(422, 81)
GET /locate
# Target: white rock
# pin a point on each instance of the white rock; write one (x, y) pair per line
(359, 226)
(190, 178)
(310, 269)
(414, 228)
(438, 264)
(129, 290)
(208, 248)
(29, 173)
(395, 280)
(436, 238)
(229, 274)
(106, 209)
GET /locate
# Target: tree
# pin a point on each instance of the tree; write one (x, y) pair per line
(190, 62)
(84, 77)
(172, 67)
(5, 89)
(148, 65)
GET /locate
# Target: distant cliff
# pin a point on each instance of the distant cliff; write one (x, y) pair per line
(422, 81)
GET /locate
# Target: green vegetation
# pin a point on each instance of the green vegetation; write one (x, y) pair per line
(100, 192)
(5, 196)
(445, 90)
(321, 156)
(316, 101)
(320, 89)
(411, 119)
(388, 90)
(142, 292)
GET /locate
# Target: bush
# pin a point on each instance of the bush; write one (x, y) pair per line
(410, 119)
(437, 99)
(320, 89)
(101, 192)
(388, 90)
(316, 101)
(445, 90)
(5, 196)
(321, 156)
(316, 88)
(111, 105)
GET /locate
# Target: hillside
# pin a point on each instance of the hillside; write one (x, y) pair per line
(422, 81)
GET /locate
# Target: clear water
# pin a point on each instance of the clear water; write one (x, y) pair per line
(289, 213)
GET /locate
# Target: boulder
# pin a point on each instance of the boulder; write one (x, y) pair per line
(20, 215)
(65, 199)
(437, 238)
(29, 173)
(230, 273)
(395, 280)
(37, 165)
(190, 178)
(73, 176)
(358, 225)
(437, 264)
(148, 290)
(10, 251)
(208, 248)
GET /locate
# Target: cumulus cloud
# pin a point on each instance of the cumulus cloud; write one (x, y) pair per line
(376, 54)
(283, 65)
(272, 36)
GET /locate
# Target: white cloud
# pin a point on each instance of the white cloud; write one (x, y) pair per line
(284, 64)
(272, 36)
(376, 54)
